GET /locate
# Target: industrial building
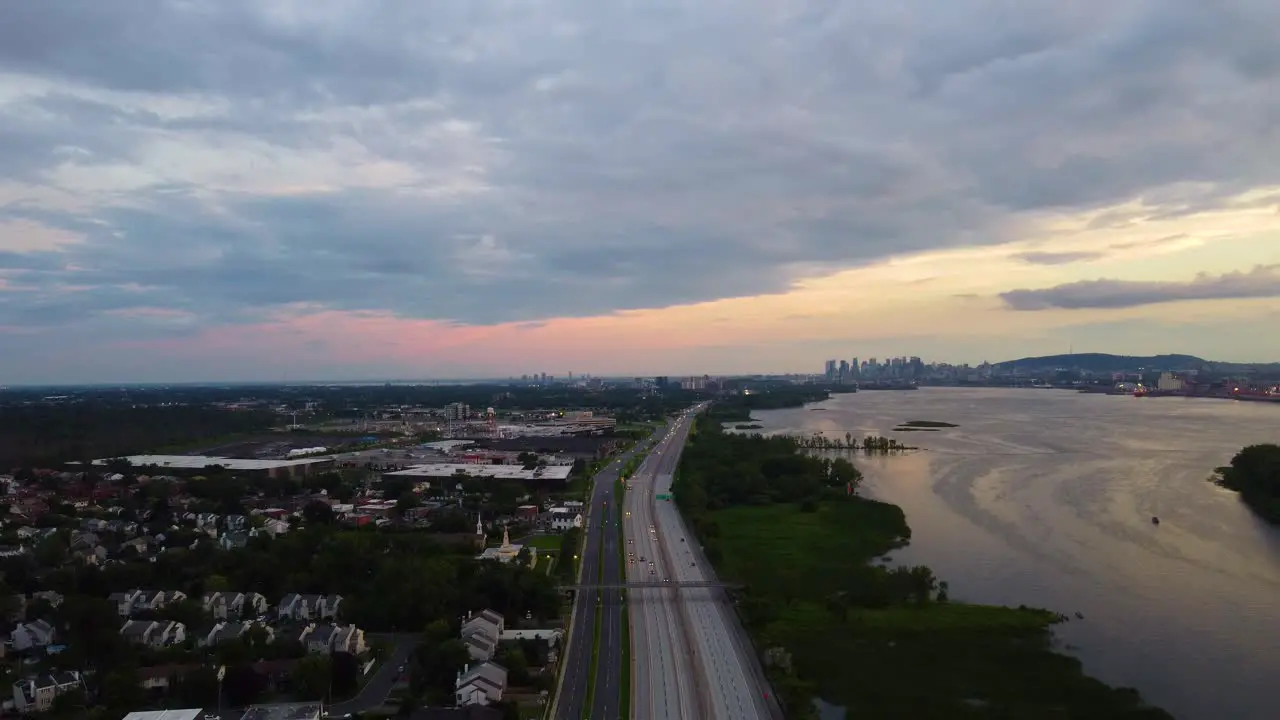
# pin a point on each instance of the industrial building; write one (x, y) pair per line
(195, 464)
(446, 471)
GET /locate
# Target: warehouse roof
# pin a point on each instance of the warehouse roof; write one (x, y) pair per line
(196, 462)
(477, 470)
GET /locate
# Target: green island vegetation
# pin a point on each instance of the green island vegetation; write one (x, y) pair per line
(738, 408)
(830, 623)
(1254, 472)
(748, 427)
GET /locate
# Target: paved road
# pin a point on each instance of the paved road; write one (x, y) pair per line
(608, 680)
(378, 688)
(726, 675)
(664, 682)
(571, 697)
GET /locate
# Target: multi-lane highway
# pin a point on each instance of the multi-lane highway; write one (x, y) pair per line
(689, 657)
(663, 681)
(575, 678)
(723, 680)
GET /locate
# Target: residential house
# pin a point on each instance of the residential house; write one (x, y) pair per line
(562, 520)
(206, 523)
(157, 634)
(38, 633)
(225, 631)
(349, 639)
(84, 541)
(481, 684)
(139, 545)
(234, 540)
(36, 694)
(317, 638)
(155, 599)
(93, 525)
(309, 607)
(124, 601)
(275, 527)
(481, 632)
(163, 677)
(231, 605)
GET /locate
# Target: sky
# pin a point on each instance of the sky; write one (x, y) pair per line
(353, 189)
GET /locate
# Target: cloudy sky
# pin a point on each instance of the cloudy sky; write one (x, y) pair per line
(316, 189)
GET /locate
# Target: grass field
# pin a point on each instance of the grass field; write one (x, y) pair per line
(544, 543)
(939, 661)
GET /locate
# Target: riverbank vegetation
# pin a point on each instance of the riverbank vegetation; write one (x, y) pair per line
(869, 444)
(1255, 473)
(831, 622)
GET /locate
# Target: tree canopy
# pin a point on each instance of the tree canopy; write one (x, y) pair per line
(1255, 473)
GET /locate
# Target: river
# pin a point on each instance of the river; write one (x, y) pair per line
(1045, 498)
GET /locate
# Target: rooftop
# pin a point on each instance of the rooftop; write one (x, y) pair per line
(196, 462)
(496, 472)
(190, 714)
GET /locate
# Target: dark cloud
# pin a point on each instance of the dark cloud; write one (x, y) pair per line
(1056, 258)
(1261, 282)
(504, 161)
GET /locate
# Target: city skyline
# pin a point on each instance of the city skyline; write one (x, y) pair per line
(253, 191)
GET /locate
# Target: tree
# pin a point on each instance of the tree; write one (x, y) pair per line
(216, 583)
(312, 676)
(318, 512)
(346, 674)
(122, 691)
(199, 687)
(1255, 474)
(242, 685)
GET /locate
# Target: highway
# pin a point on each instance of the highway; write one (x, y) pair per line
(700, 664)
(571, 698)
(663, 681)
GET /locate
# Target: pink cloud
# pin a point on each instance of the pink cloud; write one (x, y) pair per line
(335, 338)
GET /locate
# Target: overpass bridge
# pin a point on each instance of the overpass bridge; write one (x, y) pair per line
(640, 585)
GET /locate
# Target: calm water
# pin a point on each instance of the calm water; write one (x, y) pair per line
(1045, 498)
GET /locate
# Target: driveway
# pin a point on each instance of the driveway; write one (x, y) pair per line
(379, 686)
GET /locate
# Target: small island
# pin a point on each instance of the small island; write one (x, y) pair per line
(748, 427)
(1255, 473)
(923, 426)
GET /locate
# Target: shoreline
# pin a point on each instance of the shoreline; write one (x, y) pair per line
(830, 640)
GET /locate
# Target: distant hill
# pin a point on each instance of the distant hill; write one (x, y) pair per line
(1105, 363)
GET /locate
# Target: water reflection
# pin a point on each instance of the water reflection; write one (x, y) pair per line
(1046, 497)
